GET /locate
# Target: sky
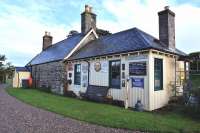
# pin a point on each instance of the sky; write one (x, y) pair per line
(23, 22)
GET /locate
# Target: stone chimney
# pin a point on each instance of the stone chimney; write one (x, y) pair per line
(88, 20)
(47, 40)
(167, 27)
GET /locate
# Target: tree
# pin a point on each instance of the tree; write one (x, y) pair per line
(2, 59)
(5, 69)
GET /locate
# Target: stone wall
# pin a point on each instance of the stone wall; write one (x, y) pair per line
(50, 75)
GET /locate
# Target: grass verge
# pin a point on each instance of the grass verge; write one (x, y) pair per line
(106, 115)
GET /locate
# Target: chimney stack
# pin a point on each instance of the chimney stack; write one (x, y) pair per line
(167, 27)
(47, 40)
(88, 20)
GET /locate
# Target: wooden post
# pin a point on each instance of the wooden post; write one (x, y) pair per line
(185, 71)
(126, 93)
(175, 77)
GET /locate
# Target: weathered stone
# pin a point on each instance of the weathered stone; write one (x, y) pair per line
(88, 20)
(50, 75)
(167, 28)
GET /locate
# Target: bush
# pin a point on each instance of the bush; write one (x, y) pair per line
(196, 92)
(193, 111)
(118, 103)
(70, 94)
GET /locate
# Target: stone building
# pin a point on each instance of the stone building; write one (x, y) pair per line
(47, 68)
(132, 64)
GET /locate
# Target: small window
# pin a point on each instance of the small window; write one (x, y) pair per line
(114, 72)
(77, 74)
(70, 75)
(158, 74)
(123, 67)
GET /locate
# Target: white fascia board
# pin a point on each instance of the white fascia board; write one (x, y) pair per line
(78, 45)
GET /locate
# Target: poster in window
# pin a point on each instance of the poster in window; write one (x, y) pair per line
(104, 67)
(157, 83)
(137, 68)
(84, 68)
(138, 82)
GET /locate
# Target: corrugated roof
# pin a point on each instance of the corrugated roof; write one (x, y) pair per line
(57, 51)
(21, 69)
(124, 41)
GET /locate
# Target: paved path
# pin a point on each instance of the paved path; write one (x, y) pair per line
(18, 117)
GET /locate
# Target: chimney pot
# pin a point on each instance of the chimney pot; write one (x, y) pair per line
(166, 7)
(90, 9)
(87, 8)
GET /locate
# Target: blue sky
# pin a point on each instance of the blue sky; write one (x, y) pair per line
(23, 22)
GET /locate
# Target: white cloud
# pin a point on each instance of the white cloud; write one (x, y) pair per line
(134, 13)
(21, 34)
(188, 28)
(21, 29)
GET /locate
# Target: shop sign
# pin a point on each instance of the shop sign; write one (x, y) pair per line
(137, 68)
(138, 82)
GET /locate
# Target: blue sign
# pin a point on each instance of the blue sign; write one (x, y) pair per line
(138, 82)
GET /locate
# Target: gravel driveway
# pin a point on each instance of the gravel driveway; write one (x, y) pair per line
(18, 117)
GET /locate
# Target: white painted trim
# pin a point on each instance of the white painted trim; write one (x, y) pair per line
(82, 40)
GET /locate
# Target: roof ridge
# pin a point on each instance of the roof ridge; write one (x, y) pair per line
(142, 36)
(118, 32)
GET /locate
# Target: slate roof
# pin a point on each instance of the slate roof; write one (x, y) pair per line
(21, 69)
(57, 51)
(124, 41)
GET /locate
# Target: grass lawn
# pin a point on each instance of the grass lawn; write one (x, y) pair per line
(106, 115)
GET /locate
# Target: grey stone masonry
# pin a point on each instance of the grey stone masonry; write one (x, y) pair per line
(167, 27)
(47, 40)
(50, 75)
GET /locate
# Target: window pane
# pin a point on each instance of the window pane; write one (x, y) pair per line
(158, 74)
(77, 74)
(115, 74)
